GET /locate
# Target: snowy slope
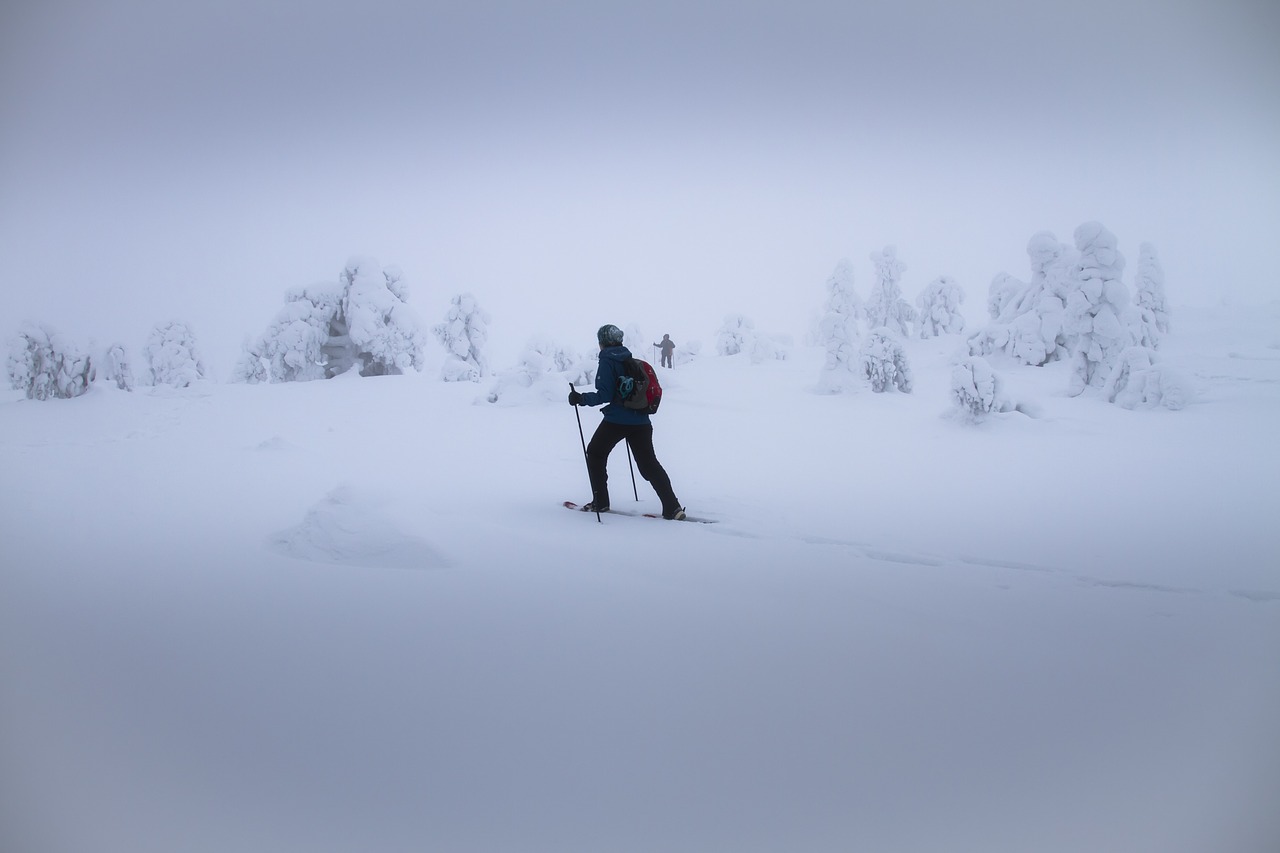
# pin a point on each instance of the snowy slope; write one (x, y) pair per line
(351, 615)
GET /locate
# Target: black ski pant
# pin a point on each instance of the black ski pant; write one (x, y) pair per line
(639, 438)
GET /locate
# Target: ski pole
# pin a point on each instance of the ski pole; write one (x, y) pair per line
(634, 491)
(583, 436)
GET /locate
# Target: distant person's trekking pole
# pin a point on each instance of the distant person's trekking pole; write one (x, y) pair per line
(634, 491)
(583, 436)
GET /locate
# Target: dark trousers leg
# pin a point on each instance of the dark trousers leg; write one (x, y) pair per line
(603, 441)
(639, 438)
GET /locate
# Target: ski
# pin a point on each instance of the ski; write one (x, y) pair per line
(631, 513)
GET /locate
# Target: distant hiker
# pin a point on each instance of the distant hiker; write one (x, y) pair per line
(667, 346)
(620, 423)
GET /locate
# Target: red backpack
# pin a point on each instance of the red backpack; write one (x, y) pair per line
(638, 386)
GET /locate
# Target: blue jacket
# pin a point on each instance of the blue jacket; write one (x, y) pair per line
(607, 389)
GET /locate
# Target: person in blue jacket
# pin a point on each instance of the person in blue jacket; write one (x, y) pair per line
(620, 423)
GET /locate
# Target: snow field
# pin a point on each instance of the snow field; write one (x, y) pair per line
(351, 614)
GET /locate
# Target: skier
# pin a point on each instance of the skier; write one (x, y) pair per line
(667, 346)
(620, 423)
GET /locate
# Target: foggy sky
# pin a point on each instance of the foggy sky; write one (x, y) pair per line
(573, 163)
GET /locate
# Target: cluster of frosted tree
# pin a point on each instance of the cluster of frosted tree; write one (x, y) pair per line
(938, 309)
(838, 332)
(463, 333)
(172, 356)
(1075, 308)
(322, 331)
(45, 365)
(738, 334)
(542, 371)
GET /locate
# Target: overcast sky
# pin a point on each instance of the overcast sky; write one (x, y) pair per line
(569, 162)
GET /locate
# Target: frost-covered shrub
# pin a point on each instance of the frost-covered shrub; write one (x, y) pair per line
(45, 365)
(1092, 323)
(884, 361)
(172, 355)
(769, 348)
(886, 307)
(977, 390)
(838, 332)
(385, 334)
(119, 368)
(938, 308)
(1149, 320)
(1139, 380)
(688, 353)
(324, 330)
(464, 333)
(541, 372)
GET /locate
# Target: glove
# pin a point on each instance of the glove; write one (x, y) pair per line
(574, 398)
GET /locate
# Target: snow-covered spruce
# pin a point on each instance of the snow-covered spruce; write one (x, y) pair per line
(886, 307)
(541, 372)
(293, 348)
(464, 333)
(172, 355)
(1140, 380)
(1092, 324)
(45, 365)
(1028, 318)
(884, 361)
(838, 333)
(1149, 318)
(324, 330)
(735, 335)
(938, 308)
(119, 368)
(977, 390)
(738, 334)
(385, 334)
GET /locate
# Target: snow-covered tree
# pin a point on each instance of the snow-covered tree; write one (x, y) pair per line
(737, 334)
(884, 361)
(1149, 319)
(938, 308)
(385, 334)
(1139, 380)
(119, 367)
(464, 332)
(1095, 333)
(541, 372)
(45, 365)
(886, 307)
(172, 355)
(323, 330)
(1003, 290)
(1029, 322)
(292, 349)
(977, 390)
(838, 332)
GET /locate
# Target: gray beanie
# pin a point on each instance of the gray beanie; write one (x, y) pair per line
(609, 334)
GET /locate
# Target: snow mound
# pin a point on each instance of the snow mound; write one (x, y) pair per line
(348, 528)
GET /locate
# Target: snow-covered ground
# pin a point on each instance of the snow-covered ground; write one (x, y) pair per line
(351, 615)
